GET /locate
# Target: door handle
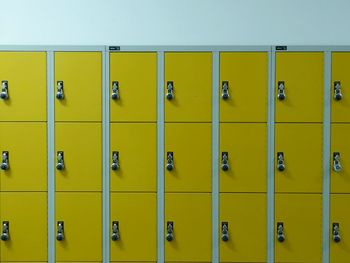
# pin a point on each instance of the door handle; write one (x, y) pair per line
(280, 232)
(60, 160)
(115, 231)
(336, 162)
(224, 231)
(224, 161)
(335, 232)
(60, 231)
(224, 90)
(337, 91)
(115, 90)
(281, 94)
(115, 160)
(170, 90)
(5, 233)
(60, 91)
(5, 164)
(280, 162)
(4, 90)
(169, 230)
(170, 161)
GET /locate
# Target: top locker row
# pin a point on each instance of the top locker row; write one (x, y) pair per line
(243, 86)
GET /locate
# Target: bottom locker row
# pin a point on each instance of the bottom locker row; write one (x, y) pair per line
(187, 227)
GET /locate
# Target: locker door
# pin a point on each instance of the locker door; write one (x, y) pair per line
(340, 147)
(78, 86)
(298, 158)
(187, 227)
(187, 87)
(78, 227)
(299, 76)
(133, 226)
(339, 228)
(299, 239)
(23, 86)
(25, 167)
(242, 227)
(187, 157)
(135, 166)
(80, 167)
(244, 75)
(26, 217)
(133, 86)
(340, 87)
(243, 149)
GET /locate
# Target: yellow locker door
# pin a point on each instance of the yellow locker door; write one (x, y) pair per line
(187, 227)
(243, 157)
(133, 221)
(25, 235)
(242, 227)
(298, 228)
(340, 158)
(133, 86)
(187, 157)
(243, 83)
(299, 86)
(78, 153)
(133, 156)
(78, 227)
(339, 228)
(188, 82)
(298, 158)
(23, 156)
(78, 86)
(340, 87)
(23, 86)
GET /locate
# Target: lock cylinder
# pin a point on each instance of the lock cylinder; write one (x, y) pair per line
(170, 231)
(335, 232)
(60, 161)
(224, 161)
(336, 162)
(337, 91)
(5, 233)
(115, 90)
(170, 161)
(280, 232)
(170, 90)
(224, 90)
(281, 95)
(224, 231)
(5, 165)
(115, 231)
(60, 231)
(280, 162)
(115, 160)
(4, 90)
(60, 92)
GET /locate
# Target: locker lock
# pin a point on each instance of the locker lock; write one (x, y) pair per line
(5, 233)
(170, 90)
(5, 160)
(224, 90)
(169, 230)
(281, 95)
(115, 90)
(4, 90)
(224, 231)
(280, 232)
(337, 91)
(170, 161)
(335, 232)
(336, 162)
(60, 231)
(60, 160)
(115, 161)
(280, 162)
(60, 93)
(224, 161)
(115, 231)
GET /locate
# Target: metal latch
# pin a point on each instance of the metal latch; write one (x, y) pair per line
(280, 232)
(224, 90)
(60, 231)
(4, 90)
(170, 161)
(115, 231)
(5, 164)
(281, 95)
(115, 90)
(224, 231)
(280, 162)
(337, 91)
(60, 160)
(115, 160)
(170, 90)
(60, 92)
(5, 233)
(335, 232)
(224, 161)
(169, 230)
(336, 162)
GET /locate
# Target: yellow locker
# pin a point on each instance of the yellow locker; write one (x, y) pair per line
(339, 228)
(78, 86)
(78, 153)
(340, 86)
(243, 83)
(242, 227)
(243, 157)
(188, 227)
(133, 156)
(133, 86)
(23, 156)
(25, 235)
(23, 86)
(298, 157)
(340, 158)
(298, 228)
(299, 86)
(78, 227)
(187, 157)
(133, 221)
(188, 82)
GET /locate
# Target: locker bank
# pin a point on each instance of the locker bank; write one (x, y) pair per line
(175, 154)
